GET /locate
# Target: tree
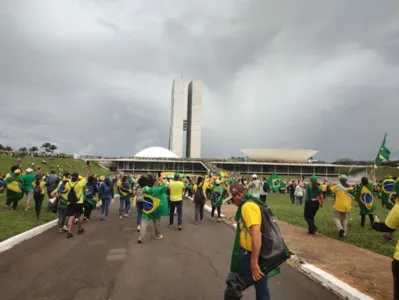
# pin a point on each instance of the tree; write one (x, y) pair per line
(33, 149)
(52, 148)
(8, 148)
(23, 149)
(2, 147)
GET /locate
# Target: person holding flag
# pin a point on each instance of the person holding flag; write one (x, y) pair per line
(365, 199)
(155, 205)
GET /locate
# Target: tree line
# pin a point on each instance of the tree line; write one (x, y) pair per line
(46, 147)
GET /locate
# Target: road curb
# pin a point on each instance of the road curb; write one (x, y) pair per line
(332, 283)
(15, 240)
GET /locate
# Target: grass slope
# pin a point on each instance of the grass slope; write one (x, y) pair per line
(77, 165)
(361, 237)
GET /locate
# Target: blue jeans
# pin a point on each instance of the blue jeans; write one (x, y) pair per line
(261, 287)
(105, 207)
(173, 206)
(139, 206)
(124, 206)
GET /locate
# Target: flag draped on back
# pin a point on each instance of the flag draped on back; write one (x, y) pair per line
(155, 202)
(366, 197)
(275, 182)
(384, 153)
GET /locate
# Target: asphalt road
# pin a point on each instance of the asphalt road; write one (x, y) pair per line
(106, 263)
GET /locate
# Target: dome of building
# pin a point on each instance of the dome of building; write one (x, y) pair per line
(156, 152)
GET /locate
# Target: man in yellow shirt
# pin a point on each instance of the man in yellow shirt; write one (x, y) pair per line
(250, 240)
(389, 226)
(75, 206)
(176, 189)
(343, 204)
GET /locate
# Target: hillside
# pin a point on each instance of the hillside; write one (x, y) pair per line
(66, 164)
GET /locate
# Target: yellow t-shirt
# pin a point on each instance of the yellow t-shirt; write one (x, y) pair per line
(250, 213)
(176, 190)
(42, 185)
(78, 186)
(392, 221)
(343, 202)
(324, 187)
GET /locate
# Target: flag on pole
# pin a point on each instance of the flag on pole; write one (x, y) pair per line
(383, 154)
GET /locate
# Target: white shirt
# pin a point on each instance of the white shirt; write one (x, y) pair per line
(298, 191)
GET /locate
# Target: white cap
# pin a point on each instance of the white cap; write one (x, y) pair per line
(254, 176)
(29, 170)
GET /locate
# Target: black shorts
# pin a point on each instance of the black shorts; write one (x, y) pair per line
(74, 210)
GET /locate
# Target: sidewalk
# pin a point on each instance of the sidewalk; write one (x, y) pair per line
(366, 271)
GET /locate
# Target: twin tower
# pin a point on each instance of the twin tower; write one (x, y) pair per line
(189, 122)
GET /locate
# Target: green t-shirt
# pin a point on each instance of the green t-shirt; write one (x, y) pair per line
(27, 181)
(310, 193)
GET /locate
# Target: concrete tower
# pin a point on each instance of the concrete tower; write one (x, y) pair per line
(194, 117)
(177, 118)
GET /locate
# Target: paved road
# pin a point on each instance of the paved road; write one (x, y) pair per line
(106, 263)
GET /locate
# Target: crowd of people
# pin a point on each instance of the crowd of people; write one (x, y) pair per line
(74, 196)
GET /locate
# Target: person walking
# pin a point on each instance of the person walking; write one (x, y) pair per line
(389, 226)
(199, 200)
(314, 200)
(217, 199)
(155, 205)
(343, 204)
(27, 180)
(125, 192)
(14, 189)
(365, 200)
(90, 192)
(38, 187)
(106, 194)
(176, 189)
(52, 183)
(264, 189)
(138, 193)
(298, 194)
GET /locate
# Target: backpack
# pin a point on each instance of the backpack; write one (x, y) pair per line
(72, 196)
(37, 190)
(266, 187)
(139, 194)
(199, 195)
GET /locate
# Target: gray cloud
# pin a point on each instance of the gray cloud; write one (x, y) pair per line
(97, 74)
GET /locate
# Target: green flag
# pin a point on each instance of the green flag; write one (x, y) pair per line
(275, 182)
(384, 153)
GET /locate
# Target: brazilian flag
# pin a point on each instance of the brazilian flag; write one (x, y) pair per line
(391, 200)
(366, 197)
(387, 186)
(155, 202)
(384, 153)
(276, 183)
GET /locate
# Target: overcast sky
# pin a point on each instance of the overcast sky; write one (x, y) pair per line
(96, 75)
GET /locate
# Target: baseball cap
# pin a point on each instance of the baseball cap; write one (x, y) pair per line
(313, 178)
(343, 177)
(177, 175)
(254, 176)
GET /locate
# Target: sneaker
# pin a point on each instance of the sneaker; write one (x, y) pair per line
(102, 218)
(81, 230)
(159, 237)
(106, 218)
(60, 230)
(126, 216)
(219, 220)
(180, 228)
(64, 228)
(138, 227)
(69, 235)
(341, 233)
(139, 241)
(202, 221)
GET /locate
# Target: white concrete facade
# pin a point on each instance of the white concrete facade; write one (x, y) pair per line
(194, 118)
(177, 118)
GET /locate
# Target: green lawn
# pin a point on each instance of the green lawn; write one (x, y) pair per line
(74, 165)
(18, 221)
(361, 237)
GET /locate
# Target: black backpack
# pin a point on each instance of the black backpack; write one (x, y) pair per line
(72, 196)
(37, 190)
(199, 195)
